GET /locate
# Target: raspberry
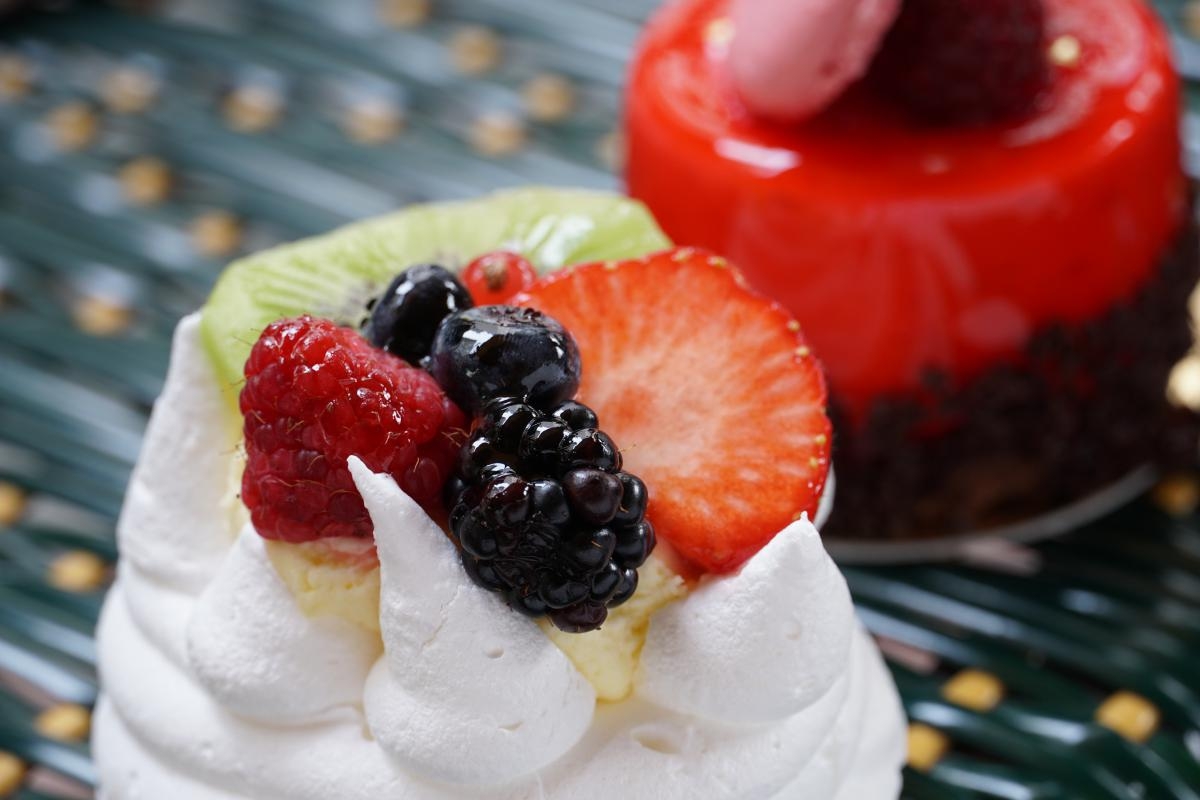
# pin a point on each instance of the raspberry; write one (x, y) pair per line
(956, 62)
(317, 394)
(545, 516)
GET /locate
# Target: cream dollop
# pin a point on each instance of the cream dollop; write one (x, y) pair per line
(217, 686)
(792, 58)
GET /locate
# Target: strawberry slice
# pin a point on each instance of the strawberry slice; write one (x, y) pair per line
(711, 390)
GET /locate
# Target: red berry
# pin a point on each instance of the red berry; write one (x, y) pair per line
(317, 394)
(957, 62)
(493, 279)
(709, 388)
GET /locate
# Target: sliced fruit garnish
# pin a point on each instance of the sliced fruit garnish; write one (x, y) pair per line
(711, 391)
(335, 276)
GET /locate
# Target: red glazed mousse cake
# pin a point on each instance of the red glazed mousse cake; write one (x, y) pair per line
(986, 233)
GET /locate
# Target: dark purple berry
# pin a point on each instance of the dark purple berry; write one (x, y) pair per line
(594, 495)
(493, 351)
(508, 426)
(634, 545)
(589, 448)
(579, 618)
(605, 583)
(629, 582)
(405, 318)
(565, 592)
(549, 502)
(576, 415)
(539, 446)
(633, 500)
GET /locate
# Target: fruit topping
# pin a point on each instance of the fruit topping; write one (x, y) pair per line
(955, 62)
(711, 391)
(504, 351)
(494, 278)
(334, 276)
(404, 319)
(316, 394)
(544, 514)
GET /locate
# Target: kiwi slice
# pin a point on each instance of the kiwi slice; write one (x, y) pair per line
(336, 274)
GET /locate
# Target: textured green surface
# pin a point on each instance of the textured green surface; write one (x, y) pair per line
(1063, 626)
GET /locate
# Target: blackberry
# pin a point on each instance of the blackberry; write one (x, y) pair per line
(544, 515)
(405, 318)
(498, 351)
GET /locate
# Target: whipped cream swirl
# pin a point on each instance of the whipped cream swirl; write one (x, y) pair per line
(757, 685)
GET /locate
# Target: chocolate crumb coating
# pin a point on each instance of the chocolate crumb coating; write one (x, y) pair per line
(1079, 409)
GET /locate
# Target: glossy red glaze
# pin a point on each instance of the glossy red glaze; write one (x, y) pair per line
(901, 247)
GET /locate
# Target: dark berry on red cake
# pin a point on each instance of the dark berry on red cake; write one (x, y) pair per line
(540, 523)
(963, 62)
(504, 351)
(317, 394)
(494, 278)
(405, 317)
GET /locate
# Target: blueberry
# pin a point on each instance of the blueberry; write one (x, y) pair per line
(404, 319)
(493, 351)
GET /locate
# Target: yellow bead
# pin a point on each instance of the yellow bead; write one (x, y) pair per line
(404, 13)
(497, 134)
(78, 571)
(101, 316)
(216, 234)
(373, 122)
(252, 109)
(1129, 715)
(926, 746)
(128, 90)
(72, 126)
(1178, 495)
(65, 723)
(145, 181)
(12, 503)
(12, 773)
(548, 98)
(475, 50)
(16, 76)
(974, 689)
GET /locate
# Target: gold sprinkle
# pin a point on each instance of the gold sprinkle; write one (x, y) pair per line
(611, 151)
(16, 77)
(719, 32)
(820, 439)
(78, 571)
(475, 50)
(73, 126)
(548, 97)
(497, 134)
(926, 747)
(1178, 495)
(12, 773)
(216, 233)
(101, 316)
(252, 109)
(128, 90)
(65, 723)
(1191, 18)
(1129, 715)
(405, 13)
(1066, 52)
(793, 326)
(974, 689)
(12, 503)
(373, 122)
(146, 181)
(803, 351)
